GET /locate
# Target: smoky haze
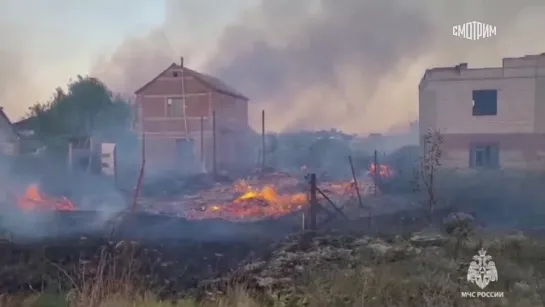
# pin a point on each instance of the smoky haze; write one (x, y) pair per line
(349, 64)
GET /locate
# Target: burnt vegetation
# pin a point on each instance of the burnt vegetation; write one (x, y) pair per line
(406, 235)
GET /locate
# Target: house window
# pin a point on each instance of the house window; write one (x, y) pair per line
(484, 156)
(175, 107)
(485, 102)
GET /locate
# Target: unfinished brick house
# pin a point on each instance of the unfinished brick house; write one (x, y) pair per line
(489, 117)
(175, 112)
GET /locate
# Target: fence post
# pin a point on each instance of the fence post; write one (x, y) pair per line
(70, 163)
(313, 203)
(202, 142)
(376, 173)
(116, 168)
(263, 141)
(214, 148)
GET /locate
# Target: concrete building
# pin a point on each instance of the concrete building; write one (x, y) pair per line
(170, 109)
(489, 117)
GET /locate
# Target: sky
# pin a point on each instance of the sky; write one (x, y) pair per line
(43, 44)
(311, 64)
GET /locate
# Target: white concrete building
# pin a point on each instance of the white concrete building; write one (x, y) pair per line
(489, 117)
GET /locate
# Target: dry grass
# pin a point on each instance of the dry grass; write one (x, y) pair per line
(238, 297)
(400, 277)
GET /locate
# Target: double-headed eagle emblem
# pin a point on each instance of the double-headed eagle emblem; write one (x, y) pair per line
(482, 270)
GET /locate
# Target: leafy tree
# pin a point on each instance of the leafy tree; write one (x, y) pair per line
(87, 108)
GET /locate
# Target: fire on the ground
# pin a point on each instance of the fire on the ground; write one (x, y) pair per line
(270, 196)
(33, 199)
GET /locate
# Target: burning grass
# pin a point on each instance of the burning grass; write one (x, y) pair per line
(264, 197)
(33, 199)
(256, 198)
(420, 270)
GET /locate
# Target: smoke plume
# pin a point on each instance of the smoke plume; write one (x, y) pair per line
(349, 64)
(356, 64)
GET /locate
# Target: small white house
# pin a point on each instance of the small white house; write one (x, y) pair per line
(489, 117)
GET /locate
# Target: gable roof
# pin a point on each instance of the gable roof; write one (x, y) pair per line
(8, 121)
(209, 81)
(25, 123)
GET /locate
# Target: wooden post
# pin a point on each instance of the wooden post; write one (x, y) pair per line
(70, 156)
(214, 161)
(263, 140)
(140, 175)
(202, 141)
(116, 178)
(90, 155)
(313, 208)
(355, 181)
(376, 173)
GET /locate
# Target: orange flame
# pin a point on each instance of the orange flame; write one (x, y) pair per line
(33, 200)
(257, 204)
(383, 171)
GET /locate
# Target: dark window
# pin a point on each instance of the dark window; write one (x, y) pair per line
(484, 156)
(175, 74)
(485, 102)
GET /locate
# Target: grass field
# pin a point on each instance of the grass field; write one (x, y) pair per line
(335, 271)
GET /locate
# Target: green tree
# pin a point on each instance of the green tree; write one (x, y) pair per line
(87, 108)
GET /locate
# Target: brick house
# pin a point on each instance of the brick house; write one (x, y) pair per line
(176, 108)
(489, 117)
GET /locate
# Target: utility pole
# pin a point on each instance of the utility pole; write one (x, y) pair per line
(376, 173)
(263, 140)
(202, 141)
(313, 208)
(214, 158)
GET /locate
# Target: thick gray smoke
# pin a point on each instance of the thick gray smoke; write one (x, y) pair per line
(350, 64)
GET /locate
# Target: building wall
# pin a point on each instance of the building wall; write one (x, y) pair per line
(517, 150)
(162, 130)
(232, 127)
(9, 142)
(519, 126)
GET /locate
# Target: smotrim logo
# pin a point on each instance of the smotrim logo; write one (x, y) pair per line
(481, 272)
(474, 30)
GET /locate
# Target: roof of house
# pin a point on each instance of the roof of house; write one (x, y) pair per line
(208, 80)
(25, 123)
(8, 121)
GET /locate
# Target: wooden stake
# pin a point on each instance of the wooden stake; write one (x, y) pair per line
(313, 208)
(376, 172)
(202, 141)
(263, 140)
(116, 178)
(214, 161)
(141, 175)
(355, 181)
(70, 156)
